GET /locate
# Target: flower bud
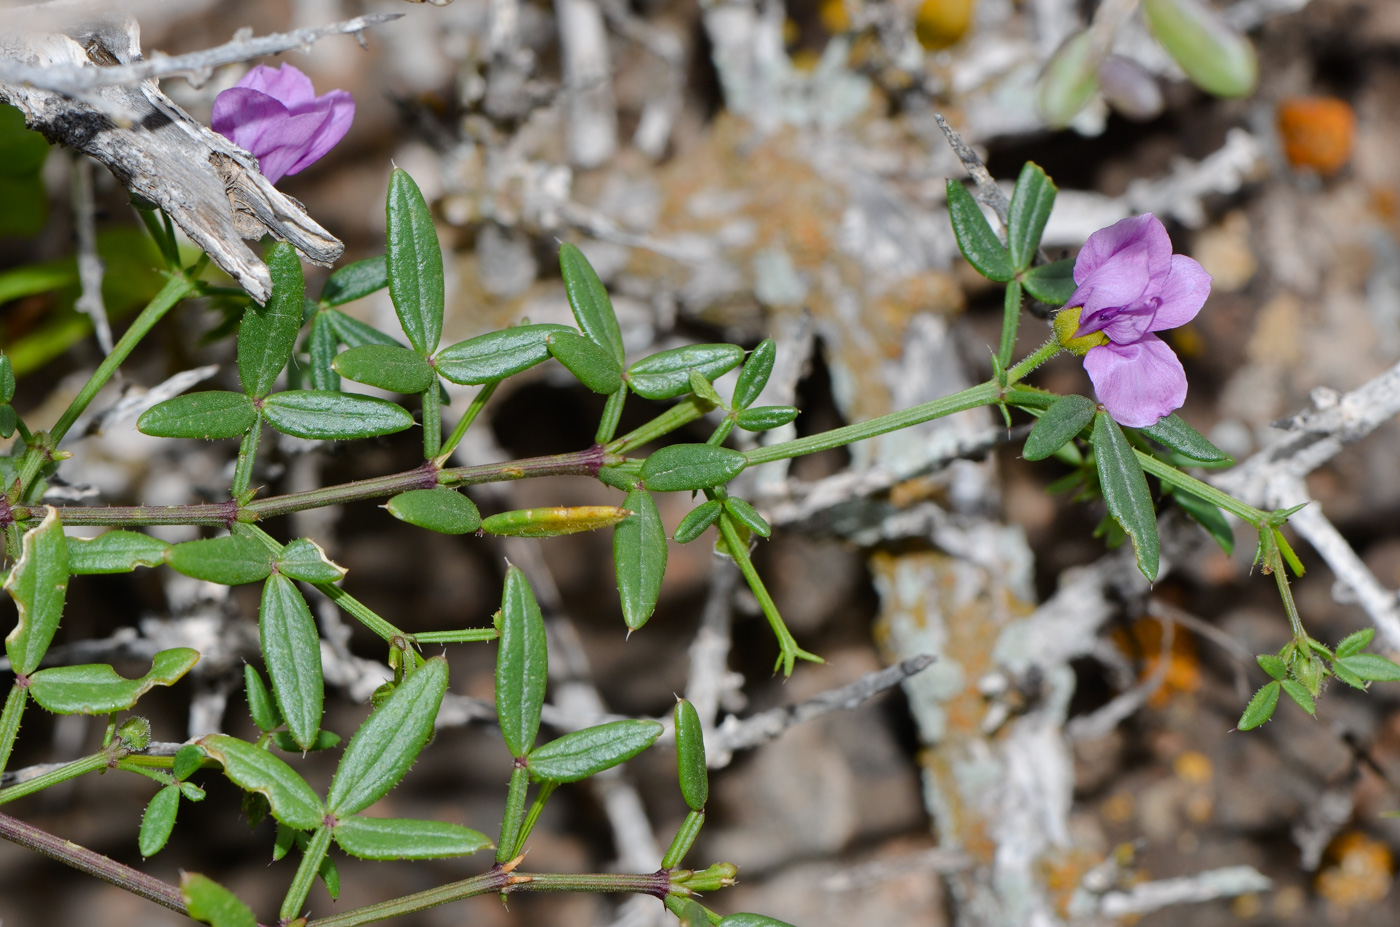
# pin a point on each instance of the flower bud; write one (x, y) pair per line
(1066, 323)
(1129, 89)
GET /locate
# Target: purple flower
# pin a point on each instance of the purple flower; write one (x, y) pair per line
(276, 115)
(1129, 286)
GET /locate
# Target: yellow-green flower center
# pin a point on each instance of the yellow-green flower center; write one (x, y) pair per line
(1066, 323)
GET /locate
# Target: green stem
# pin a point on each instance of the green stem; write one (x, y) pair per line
(467, 636)
(1010, 320)
(478, 403)
(432, 421)
(1042, 354)
(510, 818)
(176, 289)
(306, 873)
(682, 413)
(1174, 477)
(9, 721)
(612, 414)
(789, 651)
(65, 772)
(247, 454)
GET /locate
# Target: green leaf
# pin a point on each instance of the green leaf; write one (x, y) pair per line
(619, 478)
(748, 516)
(97, 689)
(682, 467)
(690, 756)
(697, 520)
(255, 770)
(320, 347)
(639, 557)
(1125, 491)
(291, 648)
(1031, 203)
(325, 740)
(1348, 677)
(187, 759)
(443, 510)
(268, 333)
(414, 264)
(261, 705)
(211, 903)
(1307, 669)
(589, 300)
(1372, 667)
(38, 583)
(1208, 516)
(1273, 665)
(353, 333)
(704, 389)
(158, 821)
(752, 920)
(979, 244)
(388, 743)
(404, 838)
(330, 876)
(555, 521)
(1170, 431)
(1052, 284)
(229, 561)
(329, 416)
(692, 914)
(754, 376)
(584, 753)
(209, 415)
(522, 664)
(9, 420)
(666, 374)
(1059, 425)
(1355, 642)
(304, 559)
(1260, 708)
(496, 355)
(1069, 80)
(762, 418)
(115, 551)
(1217, 58)
(589, 362)
(355, 281)
(1299, 694)
(7, 379)
(386, 366)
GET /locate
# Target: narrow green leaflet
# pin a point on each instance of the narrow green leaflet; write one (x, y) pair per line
(1261, 707)
(752, 920)
(291, 648)
(681, 467)
(584, 753)
(690, 756)
(692, 914)
(260, 702)
(1355, 642)
(404, 838)
(1170, 431)
(1058, 426)
(268, 333)
(588, 361)
(1031, 203)
(496, 355)
(1208, 516)
(414, 264)
(353, 333)
(115, 551)
(1273, 665)
(979, 244)
(666, 374)
(304, 559)
(209, 415)
(589, 300)
(39, 584)
(97, 689)
(388, 743)
(229, 561)
(554, 522)
(255, 770)
(9, 421)
(330, 416)
(355, 281)
(697, 520)
(325, 739)
(754, 375)
(1125, 490)
(211, 903)
(7, 379)
(320, 345)
(443, 510)
(522, 664)
(639, 557)
(747, 516)
(386, 366)
(1299, 693)
(1371, 667)
(187, 760)
(1217, 58)
(158, 821)
(1052, 284)
(762, 418)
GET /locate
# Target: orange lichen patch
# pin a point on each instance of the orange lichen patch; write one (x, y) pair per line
(1061, 872)
(1144, 642)
(940, 23)
(1193, 767)
(1359, 874)
(1317, 132)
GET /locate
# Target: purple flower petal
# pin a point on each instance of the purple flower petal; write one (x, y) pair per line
(339, 107)
(1144, 231)
(285, 84)
(1182, 294)
(1138, 383)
